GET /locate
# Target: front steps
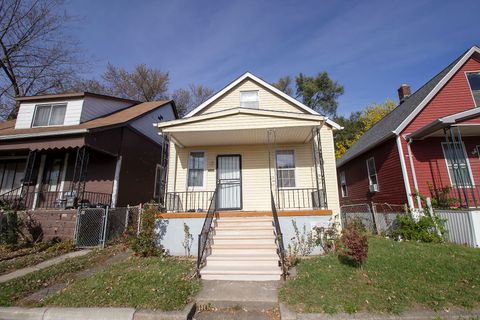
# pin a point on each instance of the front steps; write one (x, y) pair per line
(243, 249)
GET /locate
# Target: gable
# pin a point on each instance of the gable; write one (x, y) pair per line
(268, 100)
(454, 97)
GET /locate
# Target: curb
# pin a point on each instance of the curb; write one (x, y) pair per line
(15, 313)
(287, 314)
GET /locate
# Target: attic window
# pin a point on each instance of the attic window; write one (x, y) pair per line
(49, 115)
(474, 81)
(249, 99)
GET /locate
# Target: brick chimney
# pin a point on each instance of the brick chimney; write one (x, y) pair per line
(404, 92)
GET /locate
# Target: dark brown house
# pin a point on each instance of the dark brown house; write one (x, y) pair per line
(82, 148)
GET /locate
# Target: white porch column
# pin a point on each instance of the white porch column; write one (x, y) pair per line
(39, 180)
(116, 181)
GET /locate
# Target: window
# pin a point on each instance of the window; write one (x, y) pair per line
(249, 99)
(53, 175)
(457, 164)
(285, 160)
(343, 184)
(11, 175)
(474, 81)
(49, 115)
(158, 182)
(196, 168)
(372, 174)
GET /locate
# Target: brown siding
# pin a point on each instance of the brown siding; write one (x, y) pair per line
(140, 156)
(389, 174)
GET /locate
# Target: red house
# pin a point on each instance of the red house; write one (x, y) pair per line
(429, 143)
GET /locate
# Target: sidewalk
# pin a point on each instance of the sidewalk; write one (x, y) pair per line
(45, 264)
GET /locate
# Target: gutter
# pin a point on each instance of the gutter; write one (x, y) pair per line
(414, 175)
(42, 134)
(406, 181)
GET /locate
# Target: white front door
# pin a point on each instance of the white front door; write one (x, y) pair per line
(229, 178)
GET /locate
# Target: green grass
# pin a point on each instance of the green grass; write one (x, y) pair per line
(396, 277)
(153, 283)
(14, 290)
(34, 257)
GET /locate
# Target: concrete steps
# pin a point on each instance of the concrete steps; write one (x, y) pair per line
(243, 249)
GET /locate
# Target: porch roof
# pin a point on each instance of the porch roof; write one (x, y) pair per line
(468, 122)
(242, 126)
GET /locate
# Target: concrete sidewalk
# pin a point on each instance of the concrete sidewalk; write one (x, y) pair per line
(45, 264)
(14, 313)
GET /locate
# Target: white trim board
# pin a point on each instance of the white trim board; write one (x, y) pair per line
(265, 84)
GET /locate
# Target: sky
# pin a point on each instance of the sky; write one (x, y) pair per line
(370, 47)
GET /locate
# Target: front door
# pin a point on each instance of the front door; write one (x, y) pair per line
(229, 179)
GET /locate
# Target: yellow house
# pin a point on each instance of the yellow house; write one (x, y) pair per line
(250, 151)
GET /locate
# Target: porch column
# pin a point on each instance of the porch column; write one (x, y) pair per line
(116, 181)
(39, 180)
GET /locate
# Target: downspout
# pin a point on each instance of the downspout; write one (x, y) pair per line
(406, 181)
(414, 175)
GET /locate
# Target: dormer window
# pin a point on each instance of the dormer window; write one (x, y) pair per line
(49, 115)
(249, 99)
(474, 81)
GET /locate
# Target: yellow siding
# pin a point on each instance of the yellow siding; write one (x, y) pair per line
(255, 172)
(267, 99)
(328, 147)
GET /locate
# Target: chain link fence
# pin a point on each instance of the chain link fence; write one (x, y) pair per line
(96, 226)
(377, 218)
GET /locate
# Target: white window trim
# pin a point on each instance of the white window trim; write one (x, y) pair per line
(344, 180)
(368, 172)
(51, 106)
(258, 98)
(205, 169)
(466, 160)
(294, 169)
(470, 87)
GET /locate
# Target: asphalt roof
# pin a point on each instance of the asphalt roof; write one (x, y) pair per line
(385, 127)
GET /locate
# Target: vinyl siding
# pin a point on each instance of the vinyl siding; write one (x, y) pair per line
(267, 99)
(255, 170)
(27, 110)
(144, 124)
(94, 107)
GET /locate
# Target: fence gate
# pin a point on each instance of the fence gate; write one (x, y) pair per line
(91, 227)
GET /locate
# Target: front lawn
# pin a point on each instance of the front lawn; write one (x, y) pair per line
(396, 277)
(153, 283)
(14, 290)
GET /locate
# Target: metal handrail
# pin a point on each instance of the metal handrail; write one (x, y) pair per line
(279, 238)
(206, 230)
(13, 197)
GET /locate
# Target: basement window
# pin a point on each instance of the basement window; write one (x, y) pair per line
(474, 82)
(249, 99)
(49, 115)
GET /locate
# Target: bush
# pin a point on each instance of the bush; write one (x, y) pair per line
(352, 247)
(441, 197)
(426, 229)
(145, 243)
(11, 225)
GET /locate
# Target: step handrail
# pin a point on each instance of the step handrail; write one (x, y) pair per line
(206, 230)
(279, 238)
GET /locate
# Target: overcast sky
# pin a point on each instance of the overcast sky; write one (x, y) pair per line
(371, 47)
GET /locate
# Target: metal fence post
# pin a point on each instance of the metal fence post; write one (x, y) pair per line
(77, 226)
(105, 226)
(374, 222)
(139, 223)
(127, 215)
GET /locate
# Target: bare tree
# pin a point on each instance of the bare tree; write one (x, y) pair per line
(143, 83)
(188, 98)
(284, 84)
(36, 57)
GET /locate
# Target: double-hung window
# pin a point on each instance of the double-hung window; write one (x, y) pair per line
(457, 164)
(474, 82)
(285, 160)
(196, 169)
(49, 115)
(372, 174)
(343, 184)
(249, 99)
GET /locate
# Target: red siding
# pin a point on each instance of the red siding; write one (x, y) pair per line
(389, 174)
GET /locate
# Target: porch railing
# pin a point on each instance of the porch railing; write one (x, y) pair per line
(188, 201)
(300, 198)
(204, 236)
(53, 199)
(456, 197)
(279, 238)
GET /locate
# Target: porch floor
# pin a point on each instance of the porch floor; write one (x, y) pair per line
(239, 213)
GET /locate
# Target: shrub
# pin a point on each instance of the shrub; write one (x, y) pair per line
(352, 247)
(145, 244)
(301, 245)
(326, 238)
(11, 227)
(441, 197)
(426, 229)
